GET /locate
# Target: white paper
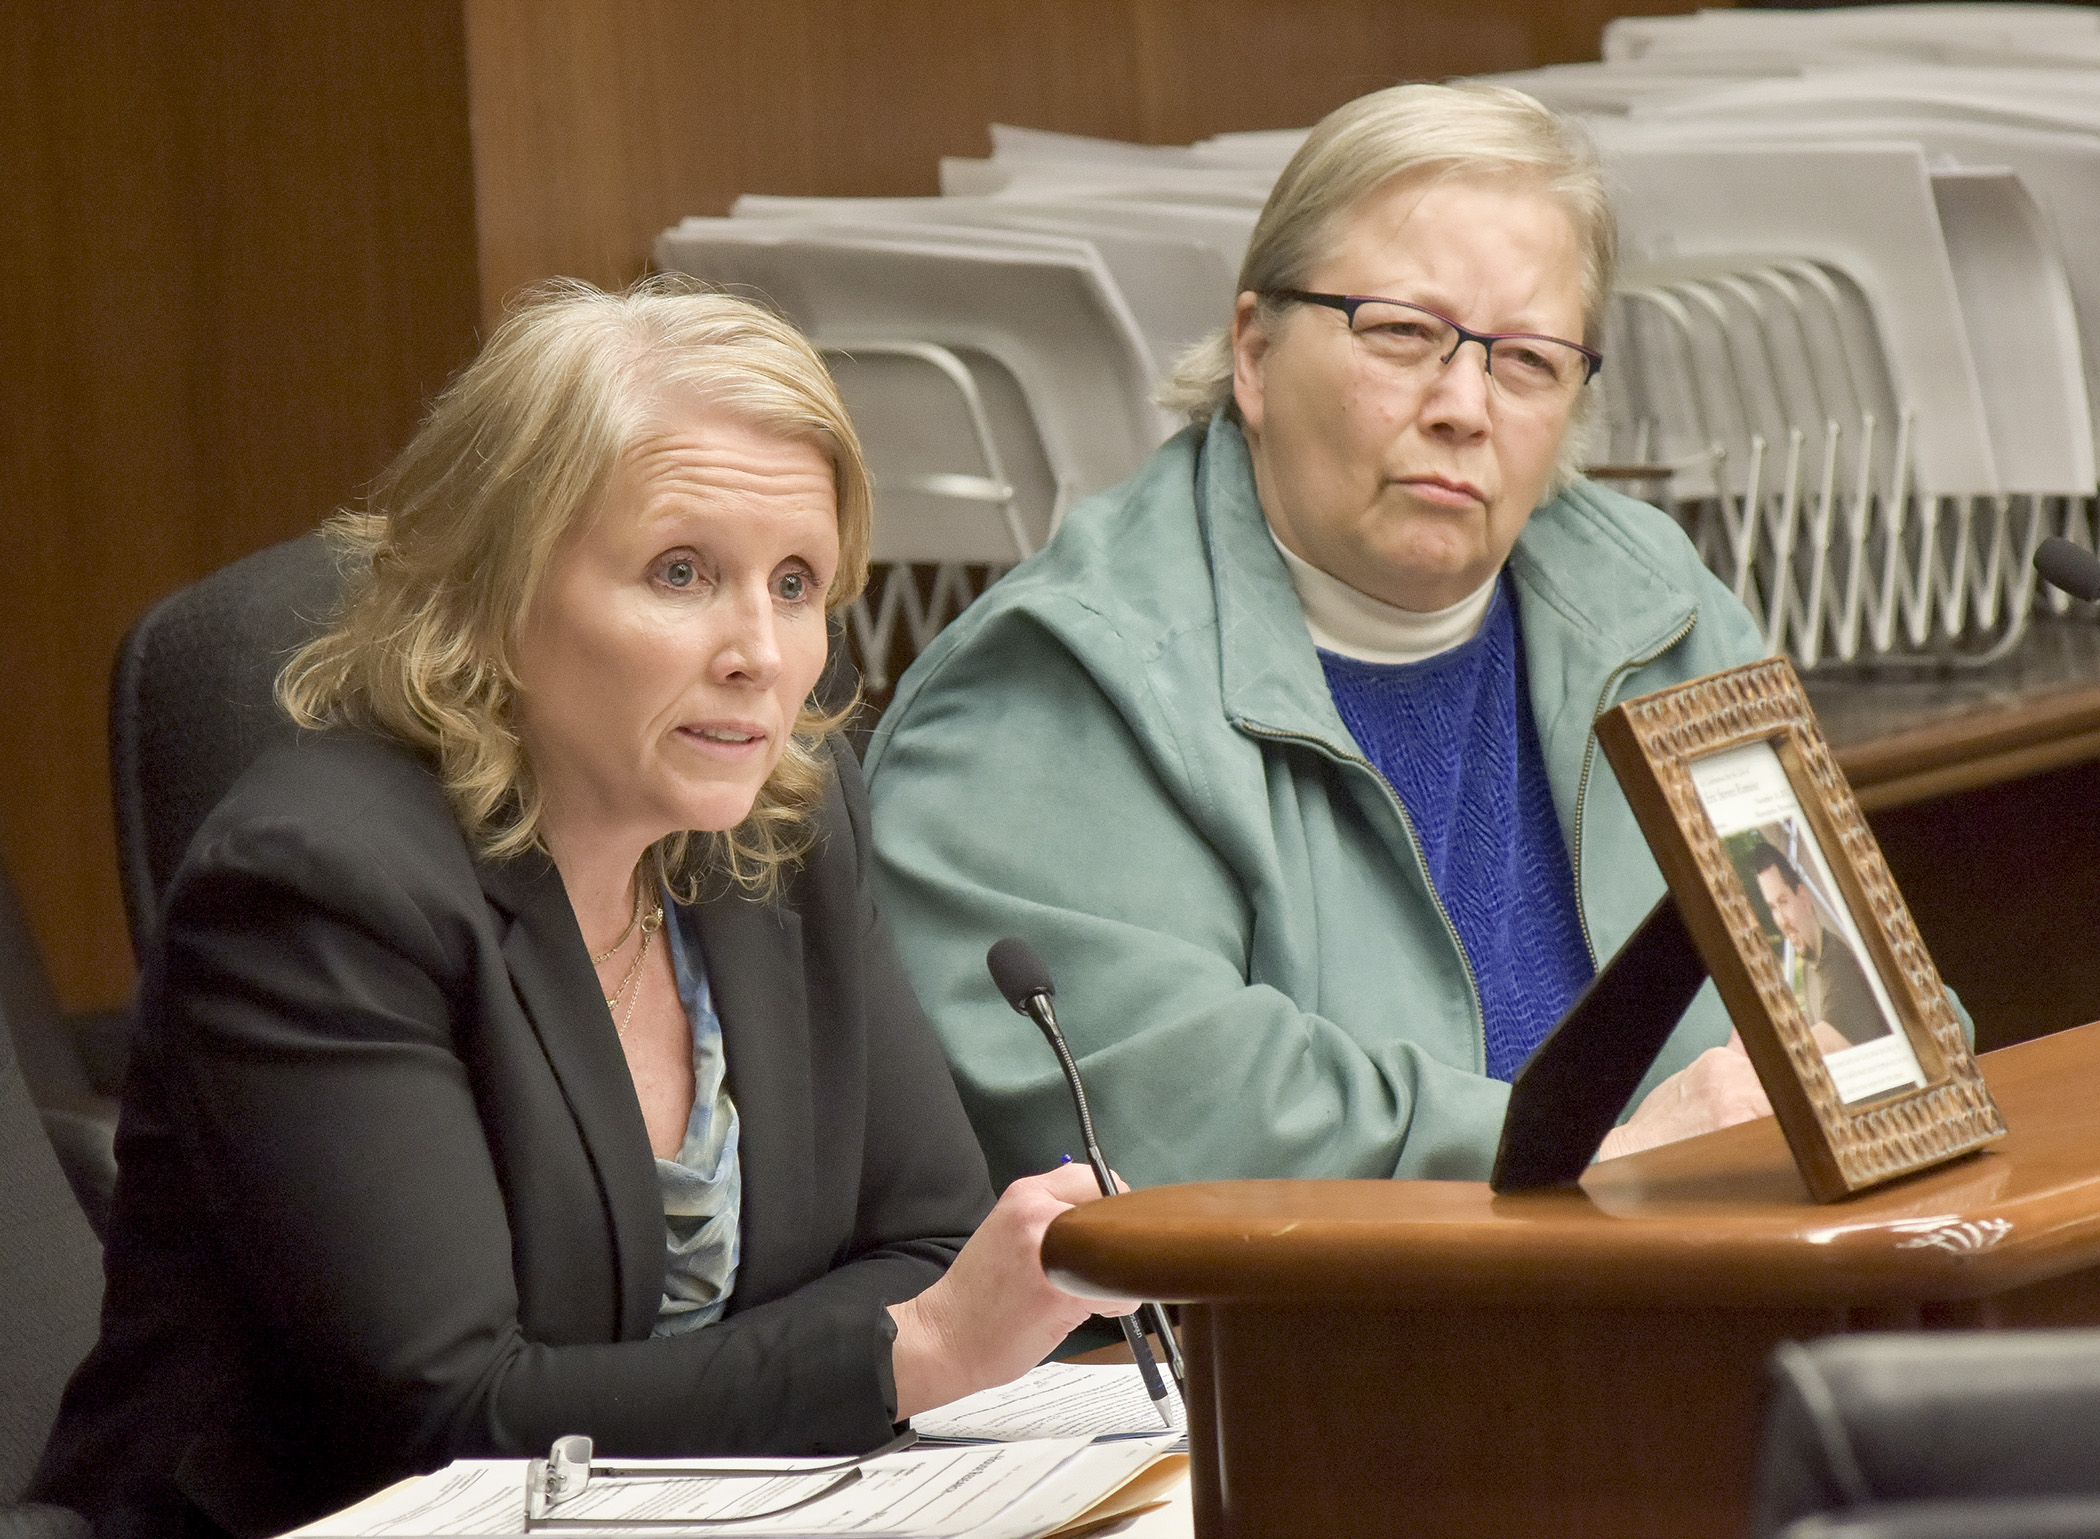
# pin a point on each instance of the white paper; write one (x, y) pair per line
(1054, 1400)
(993, 1490)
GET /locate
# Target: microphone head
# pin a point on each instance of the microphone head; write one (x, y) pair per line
(1018, 972)
(2069, 567)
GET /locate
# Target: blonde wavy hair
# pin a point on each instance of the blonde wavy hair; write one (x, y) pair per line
(1464, 129)
(443, 560)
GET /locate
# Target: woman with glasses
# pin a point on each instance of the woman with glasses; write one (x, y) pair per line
(1281, 753)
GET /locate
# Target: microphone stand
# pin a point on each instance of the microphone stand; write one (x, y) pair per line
(1155, 1314)
(1025, 982)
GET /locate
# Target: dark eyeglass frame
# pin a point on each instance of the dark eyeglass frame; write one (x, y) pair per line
(1349, 304)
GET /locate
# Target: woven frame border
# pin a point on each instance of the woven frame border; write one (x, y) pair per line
(1841, 1149)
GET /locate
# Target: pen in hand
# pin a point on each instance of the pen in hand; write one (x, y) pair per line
(1025, 982)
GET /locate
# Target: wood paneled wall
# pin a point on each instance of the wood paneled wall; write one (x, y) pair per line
(599, 122)
(237, 252)
(243, 242)
(2001, 881)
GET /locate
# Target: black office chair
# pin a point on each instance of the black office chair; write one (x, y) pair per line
(50, 1297)
(190, 706)
(1934, 1435)
(58, 1063)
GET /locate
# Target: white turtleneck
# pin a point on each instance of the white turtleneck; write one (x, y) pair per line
(1372, 631)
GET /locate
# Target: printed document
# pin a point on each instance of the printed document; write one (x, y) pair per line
(1055, 1400)
(1020, 1490)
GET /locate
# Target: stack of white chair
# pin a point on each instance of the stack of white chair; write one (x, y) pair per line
(999, 353)
(1938, 166)
(1855, 346)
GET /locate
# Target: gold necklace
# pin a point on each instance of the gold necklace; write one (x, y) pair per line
(636, 918)
(650, 922)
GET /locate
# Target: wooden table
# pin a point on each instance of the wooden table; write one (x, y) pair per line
(1426, 1358)
(1905, 734)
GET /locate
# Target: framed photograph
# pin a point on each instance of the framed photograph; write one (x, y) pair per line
(1785, 894)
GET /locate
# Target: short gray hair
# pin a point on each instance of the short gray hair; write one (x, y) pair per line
(1465, 129)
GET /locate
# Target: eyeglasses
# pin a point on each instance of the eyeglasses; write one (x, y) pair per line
(1412, 342)
(567, 1471)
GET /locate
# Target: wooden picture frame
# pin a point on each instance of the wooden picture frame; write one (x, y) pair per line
(1730, 775)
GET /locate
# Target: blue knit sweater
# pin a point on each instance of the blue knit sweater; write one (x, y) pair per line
(1453, 736)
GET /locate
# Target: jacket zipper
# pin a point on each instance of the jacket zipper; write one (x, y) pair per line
(1414, 840)
(1589, 755)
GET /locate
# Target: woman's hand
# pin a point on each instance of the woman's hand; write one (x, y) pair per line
(1717, 1089)
(994, 1315)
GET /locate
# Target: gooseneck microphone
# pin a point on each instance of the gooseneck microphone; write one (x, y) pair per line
(2070, 567)
(1019, 975)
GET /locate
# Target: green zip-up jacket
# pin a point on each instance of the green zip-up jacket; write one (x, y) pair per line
(1125, 753)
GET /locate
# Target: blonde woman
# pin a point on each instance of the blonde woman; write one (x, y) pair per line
(524, 1054)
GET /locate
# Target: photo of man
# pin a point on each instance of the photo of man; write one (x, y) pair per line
(1814, 936)
(1833, 989)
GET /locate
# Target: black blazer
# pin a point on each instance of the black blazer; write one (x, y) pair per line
(385, 1197)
